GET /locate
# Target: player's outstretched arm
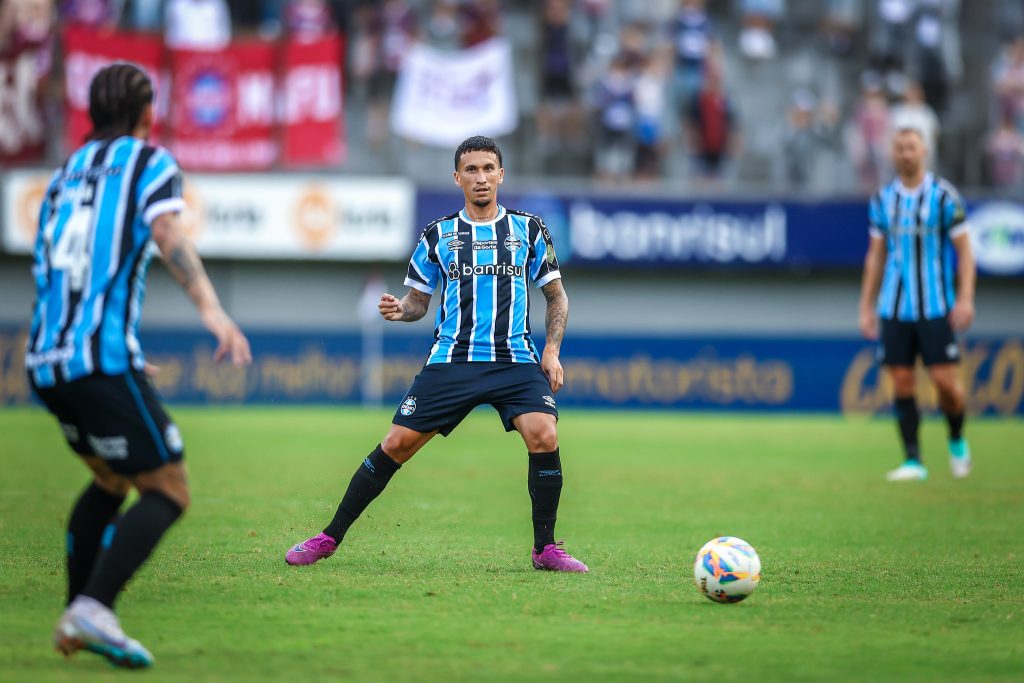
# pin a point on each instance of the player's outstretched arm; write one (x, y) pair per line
(187, 269)
(409, 308)
(555, 320)
(874, 261)
(962, 315)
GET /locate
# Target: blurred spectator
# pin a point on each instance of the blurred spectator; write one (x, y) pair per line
(558, 124)
(929, 59)
(694, 40)
(1008, 78)
(308, 20)
(92, 13)
(481, 21)
(197, 24)
(711, 126)
(810, 125)
(841, 24)
(25, 24)
(1005, 152)
(442, 28)
(392, 28)
(650, 103)
(914, 112)
(757, 39)
(867, 138)
(890, 38)
(616, 117)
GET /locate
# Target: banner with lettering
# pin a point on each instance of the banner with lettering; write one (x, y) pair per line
(443, 97)
(715, 373)
(223, 107)
(87, 51)
(24, 68)
(312, 132)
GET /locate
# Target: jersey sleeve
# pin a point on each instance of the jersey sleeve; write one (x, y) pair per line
(423, 267)
(954, 215)
(878, 222)
(543, 261)
(159, 189)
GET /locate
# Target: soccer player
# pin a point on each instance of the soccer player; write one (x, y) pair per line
(483, 258)
(113, 198)
(920, 269)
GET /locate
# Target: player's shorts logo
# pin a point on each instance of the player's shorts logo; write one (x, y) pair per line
(513, 243)
(952, 351)
(172, 437)
(549, 400)
(408, 406)
(70, 432)
(109, 447)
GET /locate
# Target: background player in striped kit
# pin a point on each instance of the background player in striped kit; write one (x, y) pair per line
(925, 292)
(484, 257)
(111, 200)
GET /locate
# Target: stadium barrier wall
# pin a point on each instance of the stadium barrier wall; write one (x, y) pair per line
(636, 372)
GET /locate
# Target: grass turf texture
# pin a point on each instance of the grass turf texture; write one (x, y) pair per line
(863, 580)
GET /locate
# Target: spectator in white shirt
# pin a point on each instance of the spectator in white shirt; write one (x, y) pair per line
(197, 24)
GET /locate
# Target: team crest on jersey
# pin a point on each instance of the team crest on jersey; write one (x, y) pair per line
(952, 351)
(513, 243)
(408, 406)
(455, 244)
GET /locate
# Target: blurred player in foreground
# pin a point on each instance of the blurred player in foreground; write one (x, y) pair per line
(104, 207)
(919, 279)
(484, 258)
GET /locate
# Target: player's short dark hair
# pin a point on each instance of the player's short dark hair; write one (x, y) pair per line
(477, 143)
(118, 95)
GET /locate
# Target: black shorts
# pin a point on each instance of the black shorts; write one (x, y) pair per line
(443, 394)
(903, 341)
(115, 417)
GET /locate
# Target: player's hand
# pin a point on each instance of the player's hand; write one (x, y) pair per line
(391, 307)
(869, 325)
(962, 315)
(150, 370)
(231, 343)
(552, 368)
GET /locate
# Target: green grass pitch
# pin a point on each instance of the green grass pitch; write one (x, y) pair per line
(863, 580)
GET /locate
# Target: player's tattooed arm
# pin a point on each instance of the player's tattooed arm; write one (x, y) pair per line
(187, 269)
(557, 315)
(415, 305)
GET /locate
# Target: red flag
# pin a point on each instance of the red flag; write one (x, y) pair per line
(313, 125)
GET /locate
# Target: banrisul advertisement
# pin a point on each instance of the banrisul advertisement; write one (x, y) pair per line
(677, 373)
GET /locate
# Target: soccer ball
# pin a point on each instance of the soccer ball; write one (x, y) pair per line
(727, 569)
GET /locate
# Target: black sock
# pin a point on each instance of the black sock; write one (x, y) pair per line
(909, 418)
(956, 425)
(367, 483)
(545, 484)
(95, 510)
(135, 537)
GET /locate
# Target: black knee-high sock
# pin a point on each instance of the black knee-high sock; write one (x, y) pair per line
(908, 417)
(367, 483)
(95, 510)
(956, 425)
(135, 537)
(545, 484)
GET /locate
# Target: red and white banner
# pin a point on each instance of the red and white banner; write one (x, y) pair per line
(444, 97)
(223, 107)
(86, 52)
(313, 124)
(23, 69)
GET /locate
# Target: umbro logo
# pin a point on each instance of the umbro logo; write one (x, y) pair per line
(456, 244)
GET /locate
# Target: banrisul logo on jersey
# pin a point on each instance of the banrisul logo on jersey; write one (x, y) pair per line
(458, 270)
(997, 234)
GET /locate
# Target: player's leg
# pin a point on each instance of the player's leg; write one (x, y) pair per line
(439, 399)
(129, 429)
(900, 349)
(941, 355)
(92, 519)
(523, 398)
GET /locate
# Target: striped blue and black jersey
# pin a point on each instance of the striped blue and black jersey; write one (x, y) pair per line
(484, 270)
(918, 226)
(91, 255)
